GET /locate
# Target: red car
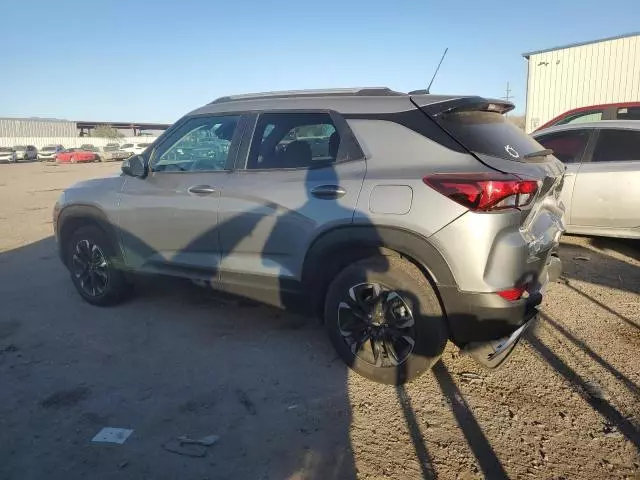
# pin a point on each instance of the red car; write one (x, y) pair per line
(595, 113)
(76, 155)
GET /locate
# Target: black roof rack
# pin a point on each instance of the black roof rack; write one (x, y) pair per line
(365, 91)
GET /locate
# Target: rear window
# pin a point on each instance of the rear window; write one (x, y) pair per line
(489, 133)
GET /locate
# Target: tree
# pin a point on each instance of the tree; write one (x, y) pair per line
(106, 131)
(517, 120)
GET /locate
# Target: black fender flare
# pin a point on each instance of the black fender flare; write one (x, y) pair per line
(77, 214)
(366, 240)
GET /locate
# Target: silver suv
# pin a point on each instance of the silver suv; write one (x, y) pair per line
(404, 220)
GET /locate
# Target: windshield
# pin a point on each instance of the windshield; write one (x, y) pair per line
(19, 147)
(6, 149)
(48, 148)
(490, 133)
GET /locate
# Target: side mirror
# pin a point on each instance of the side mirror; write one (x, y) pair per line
(135, 167)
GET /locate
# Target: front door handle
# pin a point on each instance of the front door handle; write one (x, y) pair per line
(201, 189)
(328, 192)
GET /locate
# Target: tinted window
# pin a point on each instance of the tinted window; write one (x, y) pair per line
(629, 113)
(568, 147)
(490, 133)
(127, 145)
(582, 117)
(293, 140)
(201, 144)
(617, 145)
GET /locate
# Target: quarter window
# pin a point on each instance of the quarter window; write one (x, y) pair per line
(293, 140)
(568, 147)
(617, 145)
(201, 144)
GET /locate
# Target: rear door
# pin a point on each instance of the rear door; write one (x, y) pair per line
(569, 147)
(301, 174)
(607, 188)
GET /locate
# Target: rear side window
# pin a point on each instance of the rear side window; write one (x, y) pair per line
(582, 117)
(489, 133)
(568, 147)
(629, 113)
(617, 145)
(293, 140)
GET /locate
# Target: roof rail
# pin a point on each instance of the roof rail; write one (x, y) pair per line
(365, 91)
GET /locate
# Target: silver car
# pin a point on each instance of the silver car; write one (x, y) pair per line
(601, 190)
(403, 220)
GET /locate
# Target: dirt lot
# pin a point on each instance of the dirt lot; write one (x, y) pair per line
(178, 360)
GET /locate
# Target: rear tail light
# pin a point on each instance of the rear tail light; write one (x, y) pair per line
(484, 192)
(512, 294)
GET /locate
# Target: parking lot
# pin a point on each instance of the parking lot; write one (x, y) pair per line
(180, 360)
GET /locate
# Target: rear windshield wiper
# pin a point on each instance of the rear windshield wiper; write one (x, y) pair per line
(539, 153)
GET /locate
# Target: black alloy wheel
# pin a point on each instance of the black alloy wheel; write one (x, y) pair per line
(90, 267)
(377, 324)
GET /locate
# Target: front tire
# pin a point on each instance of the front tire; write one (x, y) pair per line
(384, 320)
(93, 262)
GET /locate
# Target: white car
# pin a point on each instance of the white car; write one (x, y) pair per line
(7, 154)
(134, 148)
(26, 152)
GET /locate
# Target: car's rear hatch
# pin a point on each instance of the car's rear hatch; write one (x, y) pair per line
(480, 126)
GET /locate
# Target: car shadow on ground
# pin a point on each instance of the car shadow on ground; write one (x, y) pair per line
(286, 414)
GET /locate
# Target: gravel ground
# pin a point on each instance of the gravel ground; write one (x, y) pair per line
(178, 360)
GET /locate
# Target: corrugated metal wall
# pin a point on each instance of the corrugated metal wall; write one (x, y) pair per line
(69, 142)
(10, 127)
(603, 72)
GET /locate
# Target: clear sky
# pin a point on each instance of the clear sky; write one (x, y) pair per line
(115, 60)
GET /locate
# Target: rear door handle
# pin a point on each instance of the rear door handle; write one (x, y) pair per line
(328, 192)
(201, 189)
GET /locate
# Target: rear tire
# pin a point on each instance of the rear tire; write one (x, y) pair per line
(92, 261)
(393, 336)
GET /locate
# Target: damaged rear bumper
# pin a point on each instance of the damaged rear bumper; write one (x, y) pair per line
(488, 327)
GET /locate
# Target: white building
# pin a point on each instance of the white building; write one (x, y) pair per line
(580, 75)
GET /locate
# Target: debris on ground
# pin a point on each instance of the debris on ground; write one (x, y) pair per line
(112, 435)
(190, 447)
(584, 258)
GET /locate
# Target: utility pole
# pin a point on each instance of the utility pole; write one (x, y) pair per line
(507, 97)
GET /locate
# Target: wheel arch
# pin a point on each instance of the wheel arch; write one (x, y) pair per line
(335, 249)
(75, 216)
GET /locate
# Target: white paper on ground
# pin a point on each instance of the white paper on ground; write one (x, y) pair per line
(112, 435)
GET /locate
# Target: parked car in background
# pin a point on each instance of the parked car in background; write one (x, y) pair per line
(596, 113)
(601, 189)
(134, 148)
(25, 152)
(7, 154)
(89, 147)
(446, 229)
(49, 152)
(76, 155)
(112, 152)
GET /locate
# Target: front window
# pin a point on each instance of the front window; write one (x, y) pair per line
(201, 144)
(617, 146)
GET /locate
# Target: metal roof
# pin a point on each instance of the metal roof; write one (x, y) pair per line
(334, 92)
(350, 100)
(602, 124)
(579, 44)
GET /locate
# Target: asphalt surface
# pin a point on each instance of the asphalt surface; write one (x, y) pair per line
(179, 360)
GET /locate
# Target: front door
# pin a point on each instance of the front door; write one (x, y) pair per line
(169, 220)
(606, 193)
(297, 181)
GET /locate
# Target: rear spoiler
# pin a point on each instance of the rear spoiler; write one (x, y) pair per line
(461, 104)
